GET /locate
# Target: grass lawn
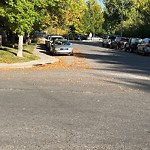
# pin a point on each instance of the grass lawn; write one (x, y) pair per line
(9, 55)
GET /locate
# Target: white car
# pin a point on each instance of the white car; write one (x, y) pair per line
(52, 39)
(144, 47)
(62, 47)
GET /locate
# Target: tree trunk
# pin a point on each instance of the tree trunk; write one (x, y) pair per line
(20, 46)
(28, 40)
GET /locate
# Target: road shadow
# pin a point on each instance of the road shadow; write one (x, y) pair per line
(88, 43)
(139, 85)
(120, 62)
(43, 49)
(127, 62)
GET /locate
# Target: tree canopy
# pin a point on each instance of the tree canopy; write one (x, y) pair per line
(133, 14)
(77, 16)
(21, 16)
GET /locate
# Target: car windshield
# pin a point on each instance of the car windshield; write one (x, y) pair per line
(62, 43)
(125, 39)
(48, 37)
(56, 38)
(136, 40)
(118, 38)
(146, 40)
(111, 37)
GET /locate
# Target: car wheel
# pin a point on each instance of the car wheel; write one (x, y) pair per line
(130, 50)
(143, 52)
(125, 48)
(71, 54)
(137, 52)
(117, 47)
(111, 46)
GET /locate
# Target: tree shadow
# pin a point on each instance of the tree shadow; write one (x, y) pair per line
(42, 49)
(91, 43)
(7, 50)
(121, 63)
(140, 84)
(126, 62)
(27, 51)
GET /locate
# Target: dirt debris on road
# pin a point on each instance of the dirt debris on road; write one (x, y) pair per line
(77, 61)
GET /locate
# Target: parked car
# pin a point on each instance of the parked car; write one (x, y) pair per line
(80, 37)
(123, 43)
(118, 42)
(47, 39)
(107, 41)
(115, 42)
(144, 47)
(52, 40)
(62, 47)
(131, 46)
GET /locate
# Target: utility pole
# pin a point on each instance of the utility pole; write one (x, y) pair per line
(122, 8)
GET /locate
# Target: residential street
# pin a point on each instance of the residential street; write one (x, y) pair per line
(104, 107)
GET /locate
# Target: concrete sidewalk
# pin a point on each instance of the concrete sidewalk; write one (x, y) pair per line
(39, 51)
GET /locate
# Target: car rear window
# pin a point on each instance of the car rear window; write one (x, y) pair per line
(112, 37)
(118, 38)
(125, 39)
(56, 38)
(136, 40)
(62, 43)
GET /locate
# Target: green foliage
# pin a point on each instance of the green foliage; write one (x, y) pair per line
(21, 15)
(92, 19)
(64, 14)
(134, 14)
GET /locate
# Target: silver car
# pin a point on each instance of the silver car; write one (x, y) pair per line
(144, 47)
(62, 47)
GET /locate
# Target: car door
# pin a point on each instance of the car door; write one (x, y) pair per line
(47, 41)
(141, 46)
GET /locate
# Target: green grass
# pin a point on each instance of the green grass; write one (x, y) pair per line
(9, 55)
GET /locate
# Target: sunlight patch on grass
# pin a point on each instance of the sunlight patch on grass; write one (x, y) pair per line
(9, 55)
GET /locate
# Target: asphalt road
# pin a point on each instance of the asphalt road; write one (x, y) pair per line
(106, 107)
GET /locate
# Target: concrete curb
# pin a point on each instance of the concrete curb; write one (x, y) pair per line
(44, 59)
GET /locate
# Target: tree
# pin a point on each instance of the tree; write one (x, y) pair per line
(21, 16)
(115, 12)
(64, 14)
(132, 15)
(138, 22)
(92, 19)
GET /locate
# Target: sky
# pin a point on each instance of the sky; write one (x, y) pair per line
(101, 3)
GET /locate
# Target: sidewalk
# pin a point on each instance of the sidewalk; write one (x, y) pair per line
(45, 59)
